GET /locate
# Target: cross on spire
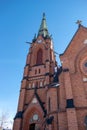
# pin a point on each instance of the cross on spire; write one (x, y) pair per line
(79, 22)
(44, 16)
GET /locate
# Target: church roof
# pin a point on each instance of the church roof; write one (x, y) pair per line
(43, 30)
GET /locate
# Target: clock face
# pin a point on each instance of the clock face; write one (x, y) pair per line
(35, 117)
(39, 41)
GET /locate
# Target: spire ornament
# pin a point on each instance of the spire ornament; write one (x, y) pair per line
(44, 16)
(79, 22)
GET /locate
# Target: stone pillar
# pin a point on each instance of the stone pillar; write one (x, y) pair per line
(18, 118)
(22, 96)
(70, 109)
(17, 124)
(72, 120)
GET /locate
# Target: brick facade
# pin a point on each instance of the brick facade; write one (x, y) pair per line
(52, 97)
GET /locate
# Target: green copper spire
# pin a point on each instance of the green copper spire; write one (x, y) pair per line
(43, 27)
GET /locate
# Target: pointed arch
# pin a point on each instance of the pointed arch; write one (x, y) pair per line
(39, 59)
(33, 109)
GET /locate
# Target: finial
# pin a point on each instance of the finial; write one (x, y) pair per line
(79, 22)
(43, 15)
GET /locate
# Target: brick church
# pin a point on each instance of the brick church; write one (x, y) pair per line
(52, 97)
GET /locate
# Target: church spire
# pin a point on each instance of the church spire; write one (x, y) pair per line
(43, 28)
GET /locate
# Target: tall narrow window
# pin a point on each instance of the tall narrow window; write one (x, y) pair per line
(35, 71)
(33, 85)
(39, 71)
(29, 86)
(39, 57)
(44, 83)
(41, 84)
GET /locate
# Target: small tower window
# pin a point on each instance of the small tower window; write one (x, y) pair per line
(39, 57)
(33, 85)
(39, 71)
(41, 84)
(44, 83)
(29, 86)
(35, 71)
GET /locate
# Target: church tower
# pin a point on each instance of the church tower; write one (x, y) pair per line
(39, 87)
(52, 97)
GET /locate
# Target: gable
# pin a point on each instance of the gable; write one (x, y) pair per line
(78, 42)
(36, 103)
(75, 47)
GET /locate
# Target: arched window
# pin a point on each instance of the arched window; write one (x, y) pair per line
(29, 86)
(49, 104)
(35, 71)
(33, 85)
(41, 84)
(39, 57)
(39, 71)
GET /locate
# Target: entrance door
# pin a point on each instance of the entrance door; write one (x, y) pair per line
(32, 126)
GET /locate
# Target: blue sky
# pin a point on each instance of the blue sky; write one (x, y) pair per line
(19, 21)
